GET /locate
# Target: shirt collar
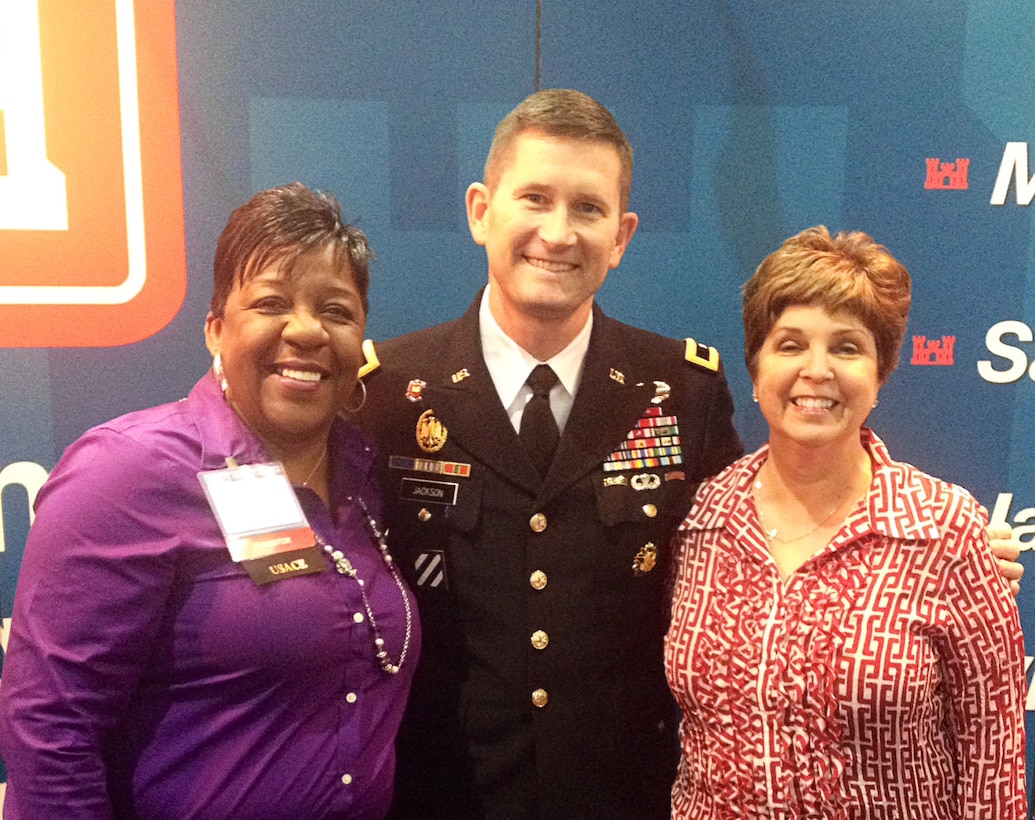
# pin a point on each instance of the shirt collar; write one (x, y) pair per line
(509, 364)
(899, 503)
(223, 434)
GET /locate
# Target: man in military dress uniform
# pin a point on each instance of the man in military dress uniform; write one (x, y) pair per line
(539, 550)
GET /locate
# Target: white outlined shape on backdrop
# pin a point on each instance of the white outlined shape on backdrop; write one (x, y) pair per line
(32, 193)
(23, 14)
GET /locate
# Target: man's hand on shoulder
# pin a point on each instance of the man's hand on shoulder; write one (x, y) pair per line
(1007, 549)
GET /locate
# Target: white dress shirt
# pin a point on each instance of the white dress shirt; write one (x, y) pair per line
(509, 365)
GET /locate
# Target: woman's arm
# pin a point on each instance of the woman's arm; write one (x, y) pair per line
(89, 602)
(985, 671)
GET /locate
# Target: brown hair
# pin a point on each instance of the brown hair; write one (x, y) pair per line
(847, 272)
(281, 225)
(560, 112)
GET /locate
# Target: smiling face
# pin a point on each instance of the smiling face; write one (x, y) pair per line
(291, 347)
(552, 229)
(816, 377)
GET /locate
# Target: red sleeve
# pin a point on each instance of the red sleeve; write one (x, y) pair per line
(985, 672)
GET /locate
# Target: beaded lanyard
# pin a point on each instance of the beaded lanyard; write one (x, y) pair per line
(344, 566)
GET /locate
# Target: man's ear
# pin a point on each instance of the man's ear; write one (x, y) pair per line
(626, 228)
(477, 200)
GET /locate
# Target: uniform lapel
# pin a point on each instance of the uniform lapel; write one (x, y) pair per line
(607, 406)
(464, 399)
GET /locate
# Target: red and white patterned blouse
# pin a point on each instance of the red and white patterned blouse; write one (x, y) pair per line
(883, 679)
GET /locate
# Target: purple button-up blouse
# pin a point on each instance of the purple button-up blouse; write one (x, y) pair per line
(148, 676)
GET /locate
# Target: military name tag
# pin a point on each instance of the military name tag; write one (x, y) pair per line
(428, 492)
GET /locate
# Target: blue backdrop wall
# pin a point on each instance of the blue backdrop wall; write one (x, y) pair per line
(750, 120)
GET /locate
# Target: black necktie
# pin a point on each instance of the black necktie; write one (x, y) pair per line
(539, 431)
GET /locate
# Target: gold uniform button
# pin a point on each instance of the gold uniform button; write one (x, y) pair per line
(539, 698)
(537, 579)
(537, 522)
(540, 639)
(424, 515)
(650, 510)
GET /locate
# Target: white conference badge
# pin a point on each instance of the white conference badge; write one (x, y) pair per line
(261, 520)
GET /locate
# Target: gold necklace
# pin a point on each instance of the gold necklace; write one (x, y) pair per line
(772, 535)
(312, 472)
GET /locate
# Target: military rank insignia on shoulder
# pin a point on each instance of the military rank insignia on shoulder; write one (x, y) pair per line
(372, 362)
(701, 355)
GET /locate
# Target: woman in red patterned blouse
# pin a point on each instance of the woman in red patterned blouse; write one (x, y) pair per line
(842, 644)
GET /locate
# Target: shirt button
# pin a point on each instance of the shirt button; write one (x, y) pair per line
(537, 579)
(540, 639)
(539, 698)
(351, 697)
(537, 522)
(358, 617)
(346, 779)
(650, 510)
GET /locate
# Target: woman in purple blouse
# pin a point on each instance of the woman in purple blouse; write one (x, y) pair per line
(196, 635)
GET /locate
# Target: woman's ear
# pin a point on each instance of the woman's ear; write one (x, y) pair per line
(213, 332)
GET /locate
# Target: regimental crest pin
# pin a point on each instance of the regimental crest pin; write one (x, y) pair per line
(645, 559)
(415, 390)
(431, 433)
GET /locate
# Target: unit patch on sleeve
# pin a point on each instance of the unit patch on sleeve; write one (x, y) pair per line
(430, 569)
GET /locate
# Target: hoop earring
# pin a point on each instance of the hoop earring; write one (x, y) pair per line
(217, 371)
(363, 401)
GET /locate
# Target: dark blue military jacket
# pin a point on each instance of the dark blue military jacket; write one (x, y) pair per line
(541, 690)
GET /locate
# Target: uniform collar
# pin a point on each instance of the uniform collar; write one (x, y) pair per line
(509, 364)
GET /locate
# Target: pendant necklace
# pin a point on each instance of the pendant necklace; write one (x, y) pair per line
(344, 567)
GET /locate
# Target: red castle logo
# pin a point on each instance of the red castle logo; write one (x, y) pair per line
(932, 352)
(947, 176)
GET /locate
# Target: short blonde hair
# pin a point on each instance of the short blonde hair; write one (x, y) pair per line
(848, 272)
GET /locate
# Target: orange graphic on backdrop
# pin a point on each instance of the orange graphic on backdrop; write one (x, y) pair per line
(100, 80)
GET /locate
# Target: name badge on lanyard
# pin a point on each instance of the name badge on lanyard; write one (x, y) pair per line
(263, 524)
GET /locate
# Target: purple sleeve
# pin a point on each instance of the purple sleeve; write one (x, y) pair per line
(97, 570)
